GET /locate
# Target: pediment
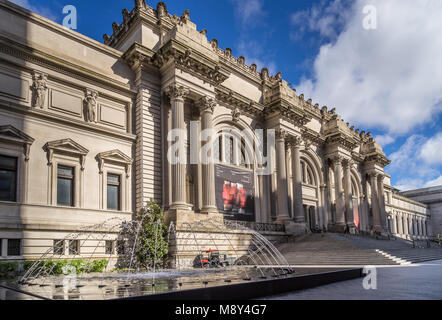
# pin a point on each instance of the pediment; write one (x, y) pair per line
(114, 156)
(11, 134)
(67, 146)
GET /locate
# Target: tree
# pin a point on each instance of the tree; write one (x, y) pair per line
(152, 246)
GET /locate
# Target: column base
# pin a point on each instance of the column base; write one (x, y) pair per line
(209, 210)
(180, 206)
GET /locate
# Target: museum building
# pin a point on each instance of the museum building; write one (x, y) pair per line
(84, 132)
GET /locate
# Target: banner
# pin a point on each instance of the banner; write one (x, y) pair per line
(234, 189)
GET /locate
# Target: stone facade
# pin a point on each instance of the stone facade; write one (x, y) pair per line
(107, 110)
(432, 198)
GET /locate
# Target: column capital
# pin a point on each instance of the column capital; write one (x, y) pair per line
(176, 91)
(381, 177)
(337, 159)
(347, 163)
(294, 142)
(281, 134)
(373, 175)
(206, 104)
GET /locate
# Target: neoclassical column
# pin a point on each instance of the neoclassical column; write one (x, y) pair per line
(282, 194)
(365, 225)
(206, 106)
(348, 195)
(420, 226)
(406, 231)
(177, 94)
(394, 222)
(400, 224)
(410, 224)
(377, 226)
(323, 211)
(340, 201)
(295, 145)
(381, 196)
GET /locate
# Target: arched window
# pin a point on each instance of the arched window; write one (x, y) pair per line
(308, 176)
(230, 149)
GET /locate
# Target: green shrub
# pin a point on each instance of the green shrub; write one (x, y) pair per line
(57, 267)
(97, 265)
(8, 268)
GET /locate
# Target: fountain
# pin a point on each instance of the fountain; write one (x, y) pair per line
(137, 270)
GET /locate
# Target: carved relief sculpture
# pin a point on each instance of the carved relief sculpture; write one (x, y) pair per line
(90, 101)
(39, 88)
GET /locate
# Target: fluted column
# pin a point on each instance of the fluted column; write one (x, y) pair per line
(348, 196)
(381, 196)
(283, 212)
(377, 226)
(340, 202)
(295, 145)
(206, 106)
(177, 94)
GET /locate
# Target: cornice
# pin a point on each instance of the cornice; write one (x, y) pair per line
(312, 136)
(234, 101)
(56, 64)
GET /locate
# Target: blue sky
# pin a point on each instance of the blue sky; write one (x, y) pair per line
(387, 80)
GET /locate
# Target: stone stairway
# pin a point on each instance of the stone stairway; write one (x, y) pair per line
(353, 250)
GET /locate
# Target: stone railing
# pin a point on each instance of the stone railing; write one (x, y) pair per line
(259, 227)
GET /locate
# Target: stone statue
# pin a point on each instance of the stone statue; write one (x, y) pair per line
(90, 106)
(39, 90)
(161, 9)
(140, 4)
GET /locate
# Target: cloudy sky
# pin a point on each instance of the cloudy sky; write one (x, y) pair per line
(386, 80)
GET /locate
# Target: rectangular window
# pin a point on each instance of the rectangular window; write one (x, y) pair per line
(58, 247)
(74, 247)
(14, 246)
(109, 246)
(65, 186)
(8, 179)
(113, 192)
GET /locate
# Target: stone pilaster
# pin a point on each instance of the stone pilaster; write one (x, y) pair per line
(177, 94)
(206, 106)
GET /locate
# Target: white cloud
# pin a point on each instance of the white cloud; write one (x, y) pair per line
(431, 151)
(43, 11)
(389, 78)
(325, 17)
(249, 11)
(385, 139)
(434, 183)
(407, 163)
